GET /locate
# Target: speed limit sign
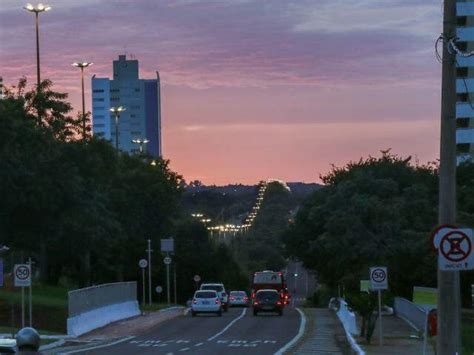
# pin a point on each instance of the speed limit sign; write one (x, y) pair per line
(22, 274)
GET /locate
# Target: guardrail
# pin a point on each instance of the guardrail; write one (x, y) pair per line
(414, 314)
(347, 317)
(96, 306)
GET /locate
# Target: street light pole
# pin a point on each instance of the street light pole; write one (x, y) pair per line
(141, 143)
(449, 299)
(37, 10)
(116, 111)
(83, 65)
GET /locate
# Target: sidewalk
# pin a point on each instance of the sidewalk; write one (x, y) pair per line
(324, 334)
(398, 338)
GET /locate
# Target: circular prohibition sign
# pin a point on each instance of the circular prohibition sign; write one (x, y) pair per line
(22, 273)
(378, 275)
(455, 240)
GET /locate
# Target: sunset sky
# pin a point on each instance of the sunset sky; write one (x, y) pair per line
(253, 89)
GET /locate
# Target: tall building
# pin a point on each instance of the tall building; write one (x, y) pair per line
(141, 100)
(465, 81)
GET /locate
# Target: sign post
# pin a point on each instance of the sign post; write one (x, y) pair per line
(427, 298)
(143, 264)
(22, 274)
(167, 261)
(379, 282)
(196, 279)
(1, 272)
(149, 250)
(30, 295)
(159, 290)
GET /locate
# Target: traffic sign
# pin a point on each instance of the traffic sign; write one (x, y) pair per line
(167, 260)
(455, 249)
(364, 285)
(22, 274)
(378, 278)
(167, 245)
(143, 263)
(438, 232)
(197, 278)
(159, 289)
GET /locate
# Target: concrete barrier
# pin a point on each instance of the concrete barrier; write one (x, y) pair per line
(347, 318)
(94, 307)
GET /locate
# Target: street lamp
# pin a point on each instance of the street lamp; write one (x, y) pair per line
(140, 142)
(37, 10)
(116, 111)
(4, 249)
(83, 65)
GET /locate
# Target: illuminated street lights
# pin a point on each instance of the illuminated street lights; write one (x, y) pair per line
(140, 142)
(117, 111)
(37, 10)
(83, 65)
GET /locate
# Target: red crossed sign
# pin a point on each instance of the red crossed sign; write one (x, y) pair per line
(455, 246)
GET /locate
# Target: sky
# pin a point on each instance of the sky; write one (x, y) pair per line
(253, 89)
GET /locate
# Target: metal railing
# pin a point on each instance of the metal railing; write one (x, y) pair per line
(414, 314)
(90, 298)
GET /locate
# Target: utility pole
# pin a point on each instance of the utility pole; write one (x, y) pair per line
(174, 284)
(448, 341)
(149, 270)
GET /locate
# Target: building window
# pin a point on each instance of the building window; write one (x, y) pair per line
(135, 107)
(98, 108)
(461, 20)
(99, 134)
(463, 97)
(462, 72)
(99, 125)
(97, 99)
(136, 133)
(462, 122)
(462, 148)
(114, 99)
(98, 90)
(98, 117)
(137, 89)
(114, 90)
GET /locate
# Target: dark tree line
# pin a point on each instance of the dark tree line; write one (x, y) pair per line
(377, 211)
(84, 211)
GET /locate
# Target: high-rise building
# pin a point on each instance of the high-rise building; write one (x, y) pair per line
(465, 81)
(141, 100)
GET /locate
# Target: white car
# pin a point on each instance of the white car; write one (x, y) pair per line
(238, 298)
(206, 302)
(219, 288)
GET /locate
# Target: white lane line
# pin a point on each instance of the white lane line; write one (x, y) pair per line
(228, 325)
(184, 349)
(199, 344)
(99, 346)
(297, 336)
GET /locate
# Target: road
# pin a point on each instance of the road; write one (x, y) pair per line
(236, 332)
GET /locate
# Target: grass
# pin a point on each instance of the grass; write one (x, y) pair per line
(50, 308)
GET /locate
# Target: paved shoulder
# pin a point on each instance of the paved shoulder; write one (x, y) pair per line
(325, 334)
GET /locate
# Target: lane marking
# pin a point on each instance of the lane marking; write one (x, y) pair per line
(184, 349)
(99, 346)
(199, 344)
(297, 336)
(229, 325)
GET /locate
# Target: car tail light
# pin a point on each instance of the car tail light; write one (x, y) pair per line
(232, 298)
(194, 301)
(253, 295)
(218, 301)
(286, 296)
(255, 303)
(279, 303)
(246, 298)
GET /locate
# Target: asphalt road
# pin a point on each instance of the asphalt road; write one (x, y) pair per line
(237, 332)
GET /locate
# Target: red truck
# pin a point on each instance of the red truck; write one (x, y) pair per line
(274, 280)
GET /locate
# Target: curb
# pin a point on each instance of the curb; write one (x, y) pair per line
(52, 345)
(297, 337)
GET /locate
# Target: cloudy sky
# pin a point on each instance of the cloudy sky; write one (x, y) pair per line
(254, 89)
